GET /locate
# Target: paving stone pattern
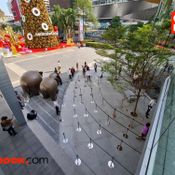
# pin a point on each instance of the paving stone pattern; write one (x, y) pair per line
(25, 144)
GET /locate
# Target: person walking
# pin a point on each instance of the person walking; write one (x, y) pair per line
(55, 70)
(72, 71)
(20, 100)
(85, 65)
(150, 106)
(95, 67)
(59, 67)
(57, 109)
(144, 132)
(70, 74)
(77, 66)
(83, 71)
(7, 125)
(59, 79)
(88, 74)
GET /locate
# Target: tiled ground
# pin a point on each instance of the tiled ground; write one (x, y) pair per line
(24, 144)
(105, 144)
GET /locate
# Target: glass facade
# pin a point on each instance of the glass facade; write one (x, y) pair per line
(165, 157)
(159, 155)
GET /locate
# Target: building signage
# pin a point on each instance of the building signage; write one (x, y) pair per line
(173, 22)
(46, 34)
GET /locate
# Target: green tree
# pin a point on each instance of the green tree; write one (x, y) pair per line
(85, 8)
(114, 32)
(137, 58)
(134, 27)
(64, 19)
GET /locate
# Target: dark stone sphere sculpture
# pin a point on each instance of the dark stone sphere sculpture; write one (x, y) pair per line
(48, 88)
(54, 76)
(30, 82)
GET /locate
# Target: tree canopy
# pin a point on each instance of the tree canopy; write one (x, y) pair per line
(137, 58)
(65, 19)
(85, 7)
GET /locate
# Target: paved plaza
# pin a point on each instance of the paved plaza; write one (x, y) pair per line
(47, 61)
(87, 129)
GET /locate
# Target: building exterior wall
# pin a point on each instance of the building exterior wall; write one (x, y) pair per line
(15, 10)
(62, 3)
(7, 18)
(121, 9)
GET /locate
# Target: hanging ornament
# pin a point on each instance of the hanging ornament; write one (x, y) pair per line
(92, 98)
(81, 97)
(29, 36)
(77, 161)
(99, 131)
(108, 121)
(86, 113)
(75, 85)
(36, 11)
(111, 163)
(65, 140)
(78, 127)
(92, 101)
(131, 124)
(78, 78)
(119, 147)
(74, 102)
(63, 105)
(90, 144)
(95, 110)
(44, 26)
(75, 113)
(125, 135)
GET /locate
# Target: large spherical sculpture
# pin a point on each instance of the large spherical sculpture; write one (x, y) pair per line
(48, 88)
(54, 76)
(30, 82)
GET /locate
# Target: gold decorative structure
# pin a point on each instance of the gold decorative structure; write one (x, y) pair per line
(37, 25)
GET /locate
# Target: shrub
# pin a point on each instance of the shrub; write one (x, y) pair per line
(98, 45)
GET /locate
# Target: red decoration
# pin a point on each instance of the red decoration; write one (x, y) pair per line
(55, 29)
(173, 22)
